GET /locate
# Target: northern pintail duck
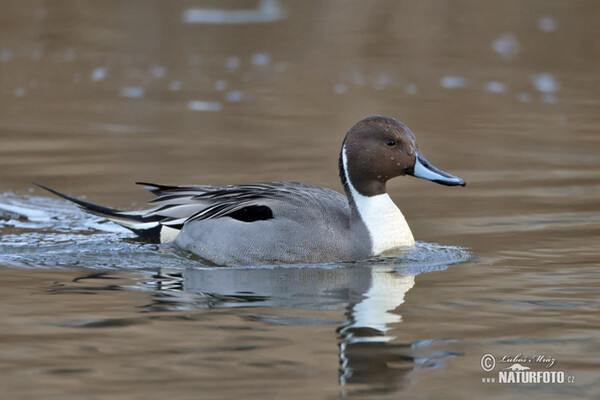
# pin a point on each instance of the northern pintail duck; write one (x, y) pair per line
(289, 222)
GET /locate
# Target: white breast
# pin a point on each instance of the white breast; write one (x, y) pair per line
(386, 224)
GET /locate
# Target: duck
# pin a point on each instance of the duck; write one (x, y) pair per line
(291, 222)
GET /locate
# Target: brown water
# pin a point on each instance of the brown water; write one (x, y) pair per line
(98, 95)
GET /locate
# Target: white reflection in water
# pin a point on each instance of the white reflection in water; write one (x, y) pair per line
(266, 11)
(20, 92)
(382, 81)
(358, 78)
(5, 55)
(524, 97)
(220, 85)
(175, 86)
(158, 71)
(545, 82)
(411, 88)
(453, 82)
(507, 46)
(374, 311)
(547, 24)
(200, 105)
(261, 59)
(98, 74)
(340, 88)
(232, 63)
(234, 96)
(134, 92)
(495, 87)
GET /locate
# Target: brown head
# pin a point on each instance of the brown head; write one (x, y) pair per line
(377, 149)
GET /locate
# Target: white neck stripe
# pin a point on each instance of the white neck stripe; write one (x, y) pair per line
(386, 224)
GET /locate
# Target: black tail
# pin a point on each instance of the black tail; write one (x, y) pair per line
(146, 227)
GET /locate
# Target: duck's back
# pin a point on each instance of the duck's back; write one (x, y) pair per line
(298, 223)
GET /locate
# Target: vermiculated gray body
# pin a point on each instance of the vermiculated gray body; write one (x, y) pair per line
(329, 232)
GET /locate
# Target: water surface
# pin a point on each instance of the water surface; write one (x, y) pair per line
(98, 95)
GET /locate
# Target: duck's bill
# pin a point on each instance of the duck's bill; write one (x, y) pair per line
(424, 170)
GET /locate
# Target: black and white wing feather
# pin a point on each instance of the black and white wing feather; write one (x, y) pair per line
(177, 205)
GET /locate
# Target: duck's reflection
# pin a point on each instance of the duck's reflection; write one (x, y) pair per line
(370, 296)
(367, 354)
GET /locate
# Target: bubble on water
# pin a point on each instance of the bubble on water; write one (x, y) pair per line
(340, 88)
(495, 87)
(453, 82)
(6, 55)
(234, 96)
(547, 24)
(20, 92)
(261, 59)
(411, 88)
(545, 82)
(158, 71)
(524, 97)
(175, 86)
(232, 63)
(201, 105)
(133, 92)
(98, 74)
(220, 85)
(382, 81)
(357, 77)
(507, 46)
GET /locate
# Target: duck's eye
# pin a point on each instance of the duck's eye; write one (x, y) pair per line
(390, 142)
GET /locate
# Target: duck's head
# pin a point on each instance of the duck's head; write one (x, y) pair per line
(377, 149)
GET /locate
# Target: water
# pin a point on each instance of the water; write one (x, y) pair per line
(99, 95)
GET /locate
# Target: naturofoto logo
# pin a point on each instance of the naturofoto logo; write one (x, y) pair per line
(522, 369)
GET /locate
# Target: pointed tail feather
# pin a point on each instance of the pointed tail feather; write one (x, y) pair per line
(155, 188)
(147, 227)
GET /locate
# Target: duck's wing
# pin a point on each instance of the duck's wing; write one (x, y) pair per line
(177, 205)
